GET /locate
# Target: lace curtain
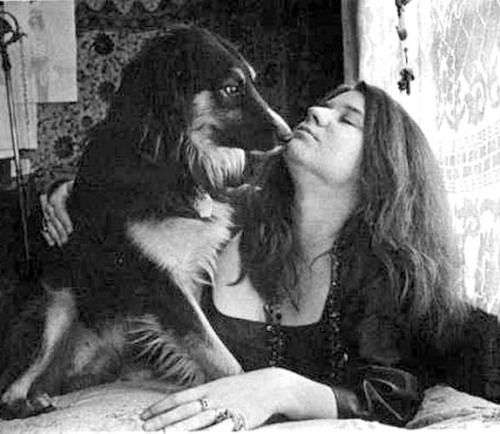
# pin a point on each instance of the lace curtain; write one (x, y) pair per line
(453, 48)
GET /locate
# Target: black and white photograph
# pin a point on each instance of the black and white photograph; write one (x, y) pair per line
(279, 216)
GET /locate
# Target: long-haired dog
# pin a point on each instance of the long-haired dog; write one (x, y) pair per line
(150, 216)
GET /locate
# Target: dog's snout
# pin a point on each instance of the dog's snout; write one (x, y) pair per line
(283, 130)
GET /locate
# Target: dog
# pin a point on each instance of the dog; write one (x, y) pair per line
(150, 216)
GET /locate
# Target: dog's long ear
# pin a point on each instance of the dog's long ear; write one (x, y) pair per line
(152, 99)
(153, 79)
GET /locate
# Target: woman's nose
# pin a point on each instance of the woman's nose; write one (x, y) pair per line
(320, 115)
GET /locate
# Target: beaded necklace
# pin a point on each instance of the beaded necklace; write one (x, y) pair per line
(337, 355)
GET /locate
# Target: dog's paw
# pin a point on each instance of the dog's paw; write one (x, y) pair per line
(23, 408)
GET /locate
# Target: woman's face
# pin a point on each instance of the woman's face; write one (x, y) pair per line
(329, 142)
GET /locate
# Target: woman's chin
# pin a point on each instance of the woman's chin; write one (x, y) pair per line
(295, 150)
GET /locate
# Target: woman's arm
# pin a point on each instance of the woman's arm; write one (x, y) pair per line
(254, 397)
(387, 395)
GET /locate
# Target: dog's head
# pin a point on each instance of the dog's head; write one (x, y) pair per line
(193, 99)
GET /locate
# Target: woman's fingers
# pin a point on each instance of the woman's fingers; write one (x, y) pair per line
(49, 230)
(176, 413)
(159, 407)
(174, 416)
(225, 425)
(204, 419)
(57, 225)
(45, 226)
(48, 238)
(59, 201)
(52, 227)
(197, 420)
(239, 399)
(174, 400)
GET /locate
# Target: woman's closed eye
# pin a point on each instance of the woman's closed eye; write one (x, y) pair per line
(352, 119)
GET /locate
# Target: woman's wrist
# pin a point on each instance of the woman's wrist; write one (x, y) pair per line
(300, 398)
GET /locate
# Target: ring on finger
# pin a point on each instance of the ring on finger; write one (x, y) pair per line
(238, 419)
(221, 414)
(204, 404)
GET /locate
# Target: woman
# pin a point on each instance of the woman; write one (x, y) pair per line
(339, 287)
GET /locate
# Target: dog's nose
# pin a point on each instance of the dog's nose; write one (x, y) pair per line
(283, 131)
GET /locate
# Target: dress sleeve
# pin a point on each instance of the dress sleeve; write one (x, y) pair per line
(384, 394)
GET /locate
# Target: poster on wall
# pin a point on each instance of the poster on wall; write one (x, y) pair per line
(51, 43)
(43, 66)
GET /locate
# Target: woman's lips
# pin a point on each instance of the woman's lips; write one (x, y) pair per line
(307, 130)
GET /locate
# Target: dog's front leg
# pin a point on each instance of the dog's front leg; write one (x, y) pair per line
(59, 316)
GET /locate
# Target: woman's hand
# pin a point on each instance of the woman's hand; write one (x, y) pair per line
(56, 226)
(247, 400)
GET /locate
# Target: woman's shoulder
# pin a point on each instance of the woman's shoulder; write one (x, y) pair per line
(228, 261)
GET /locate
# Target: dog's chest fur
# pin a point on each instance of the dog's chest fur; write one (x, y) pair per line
(187, 248)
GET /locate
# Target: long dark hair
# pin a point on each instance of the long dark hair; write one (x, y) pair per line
(403, 206)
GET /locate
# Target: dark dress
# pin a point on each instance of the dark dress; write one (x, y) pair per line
(390, 361)
(304, 350)
(371, 392)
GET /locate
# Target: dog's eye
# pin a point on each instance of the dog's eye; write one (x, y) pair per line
(231, 90)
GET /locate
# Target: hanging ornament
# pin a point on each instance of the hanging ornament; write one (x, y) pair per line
(406, 73)
(407, 76)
